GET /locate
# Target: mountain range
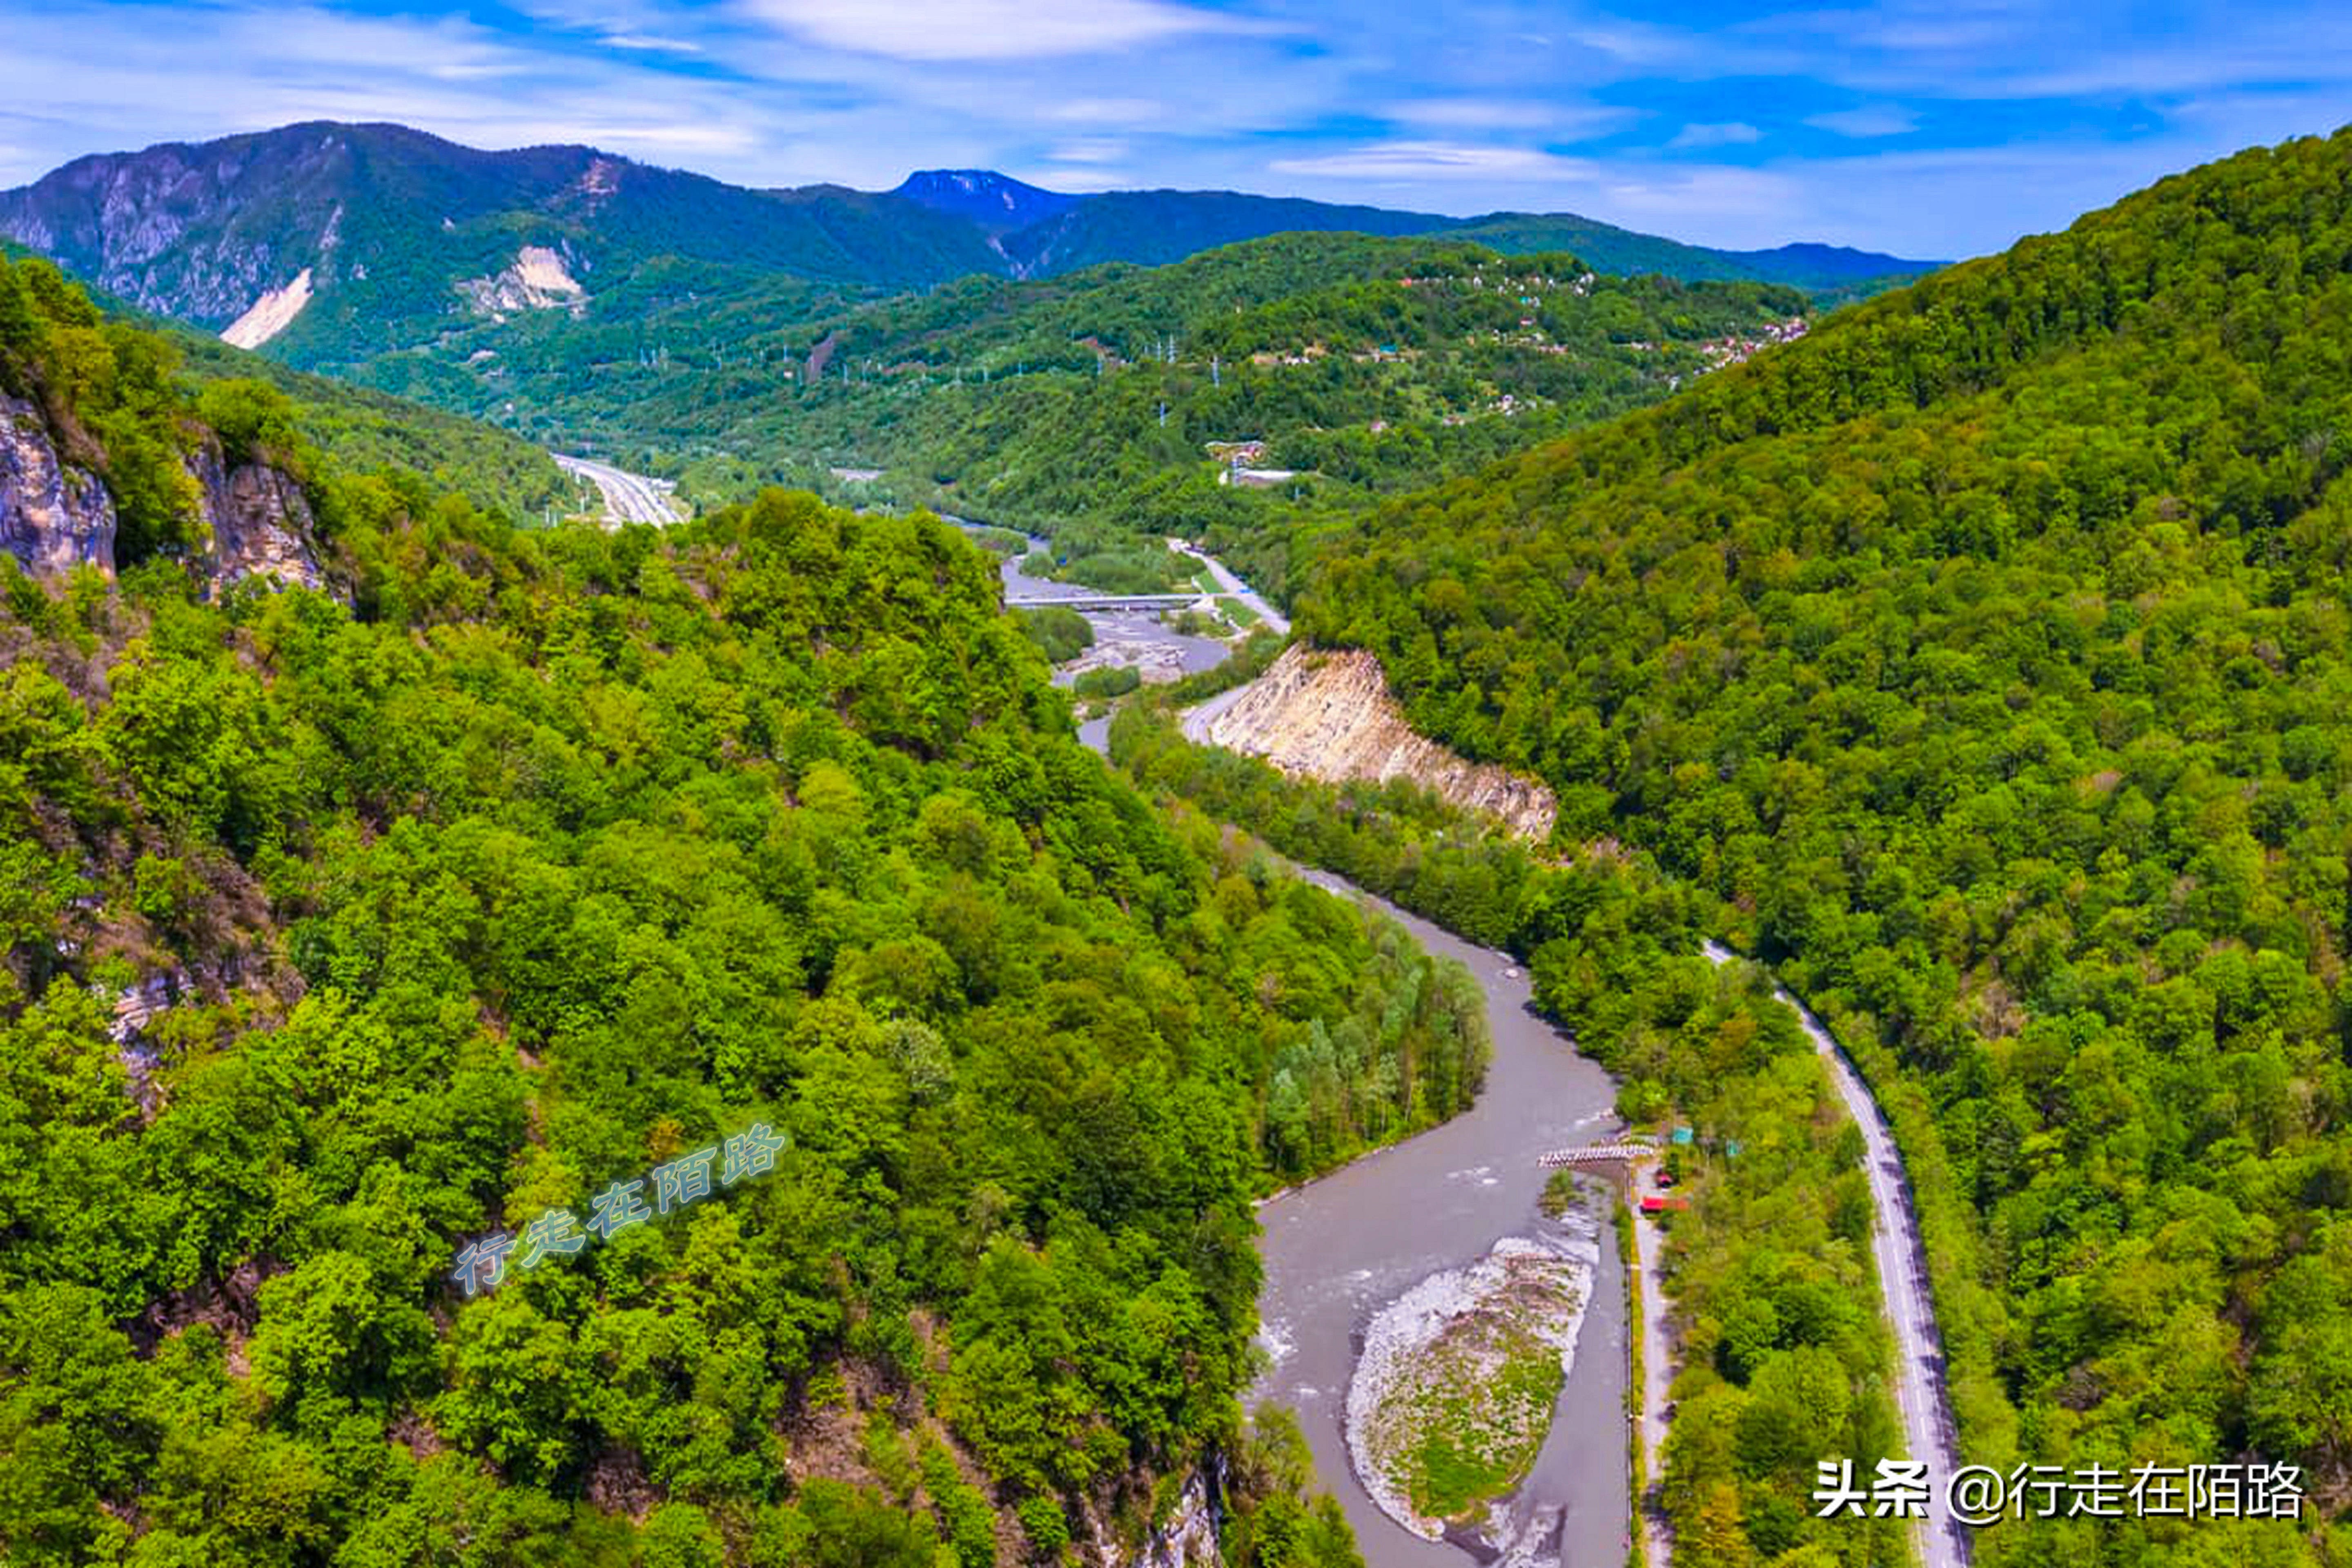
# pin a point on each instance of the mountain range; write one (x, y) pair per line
(334, 243)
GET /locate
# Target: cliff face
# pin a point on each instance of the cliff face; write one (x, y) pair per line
(53, 517)
(1330, 716)
(261, 521)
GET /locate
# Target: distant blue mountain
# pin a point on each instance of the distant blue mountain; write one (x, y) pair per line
(1040, 233)
(997, 203)
(1827, 263)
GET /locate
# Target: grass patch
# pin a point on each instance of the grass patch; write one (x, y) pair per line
(1561, 1193)
(1479, 1440)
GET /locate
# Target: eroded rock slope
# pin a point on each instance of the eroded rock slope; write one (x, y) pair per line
(1329, 715)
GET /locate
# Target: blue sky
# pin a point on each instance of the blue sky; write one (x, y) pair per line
(1931, 128)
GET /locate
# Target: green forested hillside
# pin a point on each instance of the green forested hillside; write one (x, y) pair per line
(345, 932)
(1369, 366)
(134, 373)
(1985, 656)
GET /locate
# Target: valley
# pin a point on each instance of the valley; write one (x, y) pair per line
(1164, 748)
(1397, 1235)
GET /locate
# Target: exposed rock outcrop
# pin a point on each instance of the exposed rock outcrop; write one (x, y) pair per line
(1330, 716)
(1188, 1537)
(53, 516)
(271, 314)
(539, 280)
(259, 521)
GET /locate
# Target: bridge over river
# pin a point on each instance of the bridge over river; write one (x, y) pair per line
(1102, 601)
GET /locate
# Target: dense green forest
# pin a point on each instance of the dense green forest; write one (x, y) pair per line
(361, 431)
(346, 931)
(1982, 658)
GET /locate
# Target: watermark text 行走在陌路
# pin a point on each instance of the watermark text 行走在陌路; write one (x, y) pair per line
(1979, 1494)
(559, 1231)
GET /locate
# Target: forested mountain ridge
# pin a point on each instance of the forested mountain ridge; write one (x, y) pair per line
(345, 248)
(347, 928)
(390, 225)
(1984, 655)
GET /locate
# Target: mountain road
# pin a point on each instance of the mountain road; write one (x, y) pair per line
(1929, 1432)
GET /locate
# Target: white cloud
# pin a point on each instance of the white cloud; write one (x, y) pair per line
(650, 44)
(1705, 204)
(1078, 180)
(1436, 160)
(1869, 120)
(992, 29)
(1728, 134)
(1107, 110)
(1559, 121)
(1090, 150)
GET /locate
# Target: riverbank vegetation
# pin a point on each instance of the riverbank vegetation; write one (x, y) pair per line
(1983, 656)
(1060, 635)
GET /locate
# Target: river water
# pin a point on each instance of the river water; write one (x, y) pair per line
(1338, 1250)
(1135, 629)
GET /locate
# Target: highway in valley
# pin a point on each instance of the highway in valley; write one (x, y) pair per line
(628, 497)
(1929, 1432)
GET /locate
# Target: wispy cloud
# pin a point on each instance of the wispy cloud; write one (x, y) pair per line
(1389, 162)
(1560, 119)
(1869, 120)
(1727, 133)
(992, 29)
(648, 42)
(1094, 150)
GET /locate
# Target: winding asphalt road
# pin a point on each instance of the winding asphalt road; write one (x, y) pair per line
(628, 497)
(1234, 587)
(1929, 1432)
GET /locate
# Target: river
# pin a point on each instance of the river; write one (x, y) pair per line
(1339, 1249)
